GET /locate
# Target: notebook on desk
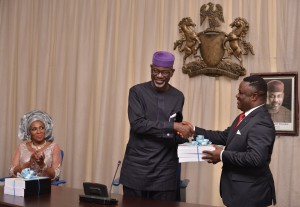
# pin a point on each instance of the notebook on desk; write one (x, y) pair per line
(96, 193)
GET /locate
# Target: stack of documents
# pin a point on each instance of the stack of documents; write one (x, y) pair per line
(25, 187)
(189, 152)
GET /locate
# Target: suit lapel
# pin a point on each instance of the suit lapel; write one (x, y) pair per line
(244, 122)
(232, 131)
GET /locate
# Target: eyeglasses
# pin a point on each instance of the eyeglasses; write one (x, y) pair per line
(165, 73)
(35, 129)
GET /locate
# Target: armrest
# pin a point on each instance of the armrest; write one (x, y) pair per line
(116, 182)
(58, 182)
(184, 183)
(3, 179)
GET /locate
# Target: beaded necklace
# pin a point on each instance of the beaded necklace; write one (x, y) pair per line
(38, 147)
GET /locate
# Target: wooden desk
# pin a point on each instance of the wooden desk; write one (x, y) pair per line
(64, 197)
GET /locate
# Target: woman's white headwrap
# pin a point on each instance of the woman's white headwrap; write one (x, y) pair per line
(32, 116)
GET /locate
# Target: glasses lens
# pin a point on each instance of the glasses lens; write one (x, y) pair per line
(163, 72)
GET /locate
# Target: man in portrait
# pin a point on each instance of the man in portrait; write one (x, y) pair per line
(278, 112)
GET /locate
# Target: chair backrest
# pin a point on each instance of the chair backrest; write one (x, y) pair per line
(62, 154)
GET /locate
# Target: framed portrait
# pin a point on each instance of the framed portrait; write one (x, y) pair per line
(282, 101)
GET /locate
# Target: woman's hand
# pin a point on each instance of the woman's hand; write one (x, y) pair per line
(29, 163)
(40, 157)
(32, 158)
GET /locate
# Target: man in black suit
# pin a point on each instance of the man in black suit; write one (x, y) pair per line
(246, 178)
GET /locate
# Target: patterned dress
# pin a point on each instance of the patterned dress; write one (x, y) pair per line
(51, 151)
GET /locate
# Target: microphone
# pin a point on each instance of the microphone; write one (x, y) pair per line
(97, 193)
(119, 163)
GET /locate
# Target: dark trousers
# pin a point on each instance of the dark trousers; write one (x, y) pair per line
(154, 195)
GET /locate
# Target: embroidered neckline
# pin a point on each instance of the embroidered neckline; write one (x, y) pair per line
(38, 147)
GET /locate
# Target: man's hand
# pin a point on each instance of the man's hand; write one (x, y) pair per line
(188, 123)
(184, 130)
(213, 156)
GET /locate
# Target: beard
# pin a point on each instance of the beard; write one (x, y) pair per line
(161, 85)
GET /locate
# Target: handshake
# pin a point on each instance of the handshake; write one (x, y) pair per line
(184, 129)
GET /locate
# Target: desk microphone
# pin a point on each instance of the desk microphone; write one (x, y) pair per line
(97, 193)
(119, 163)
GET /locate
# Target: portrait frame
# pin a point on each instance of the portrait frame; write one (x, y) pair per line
(290, 101)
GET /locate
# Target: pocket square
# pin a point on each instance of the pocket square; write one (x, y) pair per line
(238, 132)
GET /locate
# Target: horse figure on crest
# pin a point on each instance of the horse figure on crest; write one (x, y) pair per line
(189, 37)
(241, 27)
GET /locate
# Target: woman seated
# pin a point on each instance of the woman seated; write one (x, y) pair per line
(37, 151)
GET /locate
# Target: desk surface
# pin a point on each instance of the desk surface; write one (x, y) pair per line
(63, 196)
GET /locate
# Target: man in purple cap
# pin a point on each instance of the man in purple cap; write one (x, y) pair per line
(278, 112)
(150, 163)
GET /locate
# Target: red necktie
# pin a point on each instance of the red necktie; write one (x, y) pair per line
(241, 117)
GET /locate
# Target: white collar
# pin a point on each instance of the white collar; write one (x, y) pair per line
(249, 111)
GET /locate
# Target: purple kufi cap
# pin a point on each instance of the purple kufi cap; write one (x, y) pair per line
(163, 59)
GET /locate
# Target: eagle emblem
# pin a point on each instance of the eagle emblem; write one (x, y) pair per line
(214, 52)
(212, 15)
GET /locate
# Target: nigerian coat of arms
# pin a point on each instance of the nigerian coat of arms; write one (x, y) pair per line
(214, 52)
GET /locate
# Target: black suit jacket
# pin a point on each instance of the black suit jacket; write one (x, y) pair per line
(246, 178)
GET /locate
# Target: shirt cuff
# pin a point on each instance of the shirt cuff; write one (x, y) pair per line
(221, 155)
